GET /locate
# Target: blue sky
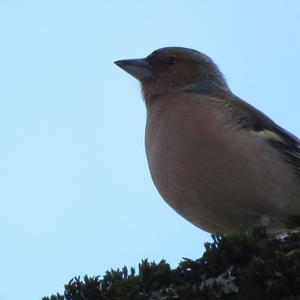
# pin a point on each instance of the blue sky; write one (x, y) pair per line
(75, 190)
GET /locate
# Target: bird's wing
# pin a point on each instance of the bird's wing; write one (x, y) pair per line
(260, 125)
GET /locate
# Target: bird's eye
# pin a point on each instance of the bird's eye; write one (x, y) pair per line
(171, 60)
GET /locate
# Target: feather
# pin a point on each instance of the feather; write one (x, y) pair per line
(258, 124)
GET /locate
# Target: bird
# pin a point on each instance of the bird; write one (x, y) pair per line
(218, 161)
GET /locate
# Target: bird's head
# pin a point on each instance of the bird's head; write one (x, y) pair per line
(174, 69)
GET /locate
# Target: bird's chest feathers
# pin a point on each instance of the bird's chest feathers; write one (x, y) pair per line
(191, 147)
(182, 137)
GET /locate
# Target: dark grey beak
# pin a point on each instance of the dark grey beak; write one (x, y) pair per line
(138, 68)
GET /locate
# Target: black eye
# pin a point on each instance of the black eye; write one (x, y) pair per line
(171, 60)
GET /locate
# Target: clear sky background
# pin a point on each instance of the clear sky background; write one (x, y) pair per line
(75, 190)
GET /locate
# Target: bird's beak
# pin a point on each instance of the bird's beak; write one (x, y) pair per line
(138, 68)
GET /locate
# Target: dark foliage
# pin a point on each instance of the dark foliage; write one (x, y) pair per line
(243, 266)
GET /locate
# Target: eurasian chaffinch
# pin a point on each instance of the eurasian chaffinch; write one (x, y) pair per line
(218, 161)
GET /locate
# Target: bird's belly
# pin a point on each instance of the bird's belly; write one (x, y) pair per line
(215, 184)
